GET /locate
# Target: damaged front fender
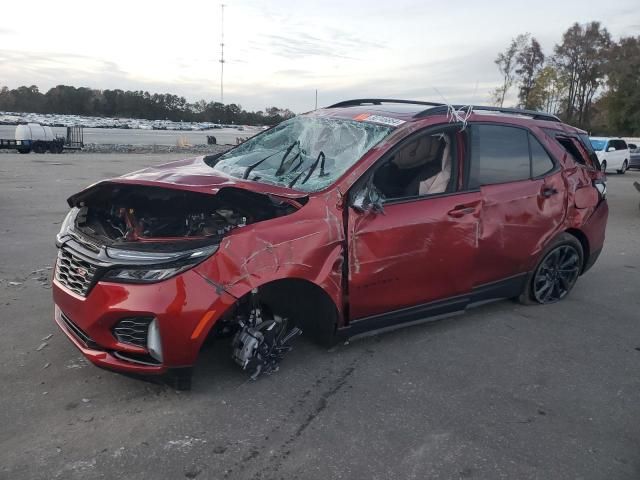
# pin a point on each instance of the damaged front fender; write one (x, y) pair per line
(306, 245)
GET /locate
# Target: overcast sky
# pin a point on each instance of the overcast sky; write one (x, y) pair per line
(278, 52)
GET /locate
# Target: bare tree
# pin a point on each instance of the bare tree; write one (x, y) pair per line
(529, 61)
(506, 62)
(581, 59)
(549, 91)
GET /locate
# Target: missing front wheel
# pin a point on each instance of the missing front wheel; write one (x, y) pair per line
(262, 341)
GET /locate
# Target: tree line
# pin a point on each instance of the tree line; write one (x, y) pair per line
(589, 80)
(64, 99)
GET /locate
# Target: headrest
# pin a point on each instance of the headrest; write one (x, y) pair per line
(418, 152)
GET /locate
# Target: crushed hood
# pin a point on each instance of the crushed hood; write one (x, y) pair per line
(191, 174)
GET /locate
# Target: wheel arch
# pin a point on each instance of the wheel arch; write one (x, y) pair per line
(303, 301)
(584, 242)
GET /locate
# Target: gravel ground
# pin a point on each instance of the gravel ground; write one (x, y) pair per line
(505, 391)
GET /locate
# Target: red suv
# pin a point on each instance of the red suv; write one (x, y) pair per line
(362, 216)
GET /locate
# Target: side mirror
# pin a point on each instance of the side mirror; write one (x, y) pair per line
(367, 199)
(611, 149)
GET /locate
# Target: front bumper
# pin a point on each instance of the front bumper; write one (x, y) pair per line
(185, 308)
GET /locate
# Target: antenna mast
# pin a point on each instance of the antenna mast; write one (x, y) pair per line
(222, 54)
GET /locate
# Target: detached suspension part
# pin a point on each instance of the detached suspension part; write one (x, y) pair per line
(261, 343)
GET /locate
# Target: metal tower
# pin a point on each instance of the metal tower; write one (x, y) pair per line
(222, 54)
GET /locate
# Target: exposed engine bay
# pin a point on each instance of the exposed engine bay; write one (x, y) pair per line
(144, 234)
(144, 217)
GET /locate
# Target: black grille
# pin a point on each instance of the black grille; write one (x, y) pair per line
(78, 332)
(74, 273)
(133, 330)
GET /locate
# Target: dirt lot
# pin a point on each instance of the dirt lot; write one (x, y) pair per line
(504, 391)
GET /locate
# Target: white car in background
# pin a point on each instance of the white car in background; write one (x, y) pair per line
(613, 153)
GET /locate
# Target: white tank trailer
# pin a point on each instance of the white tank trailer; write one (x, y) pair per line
(40, 139)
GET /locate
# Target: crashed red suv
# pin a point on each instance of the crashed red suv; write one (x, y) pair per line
(362, 216)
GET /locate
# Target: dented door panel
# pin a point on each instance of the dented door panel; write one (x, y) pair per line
(517, 221)
(415, 252)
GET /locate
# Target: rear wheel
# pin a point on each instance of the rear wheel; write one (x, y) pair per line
(625, 166)
(556, 272)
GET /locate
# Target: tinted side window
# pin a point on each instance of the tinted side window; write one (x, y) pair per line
(541, 163)
(498, 155)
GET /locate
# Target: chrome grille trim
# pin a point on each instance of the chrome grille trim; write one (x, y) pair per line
(75, 273)
(133, 330)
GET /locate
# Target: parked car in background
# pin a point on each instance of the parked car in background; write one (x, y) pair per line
(613, 153)
(634, 156)
(359, 217)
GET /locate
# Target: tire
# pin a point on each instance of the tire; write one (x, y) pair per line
(603, 166)
(24, 150)
(625, 166)
(556, 272)
(39, 147)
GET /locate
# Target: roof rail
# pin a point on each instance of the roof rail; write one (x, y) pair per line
(379, 101)
(441, 109)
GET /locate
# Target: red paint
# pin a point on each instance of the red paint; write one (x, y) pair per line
(416, 252)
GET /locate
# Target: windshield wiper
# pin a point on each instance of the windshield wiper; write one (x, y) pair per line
(281, 168)
(250, 168)
(312, 168)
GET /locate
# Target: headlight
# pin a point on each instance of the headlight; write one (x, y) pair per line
(151, 267)
(143, 275)
(67, 223)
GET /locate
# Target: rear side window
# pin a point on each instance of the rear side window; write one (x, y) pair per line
(541, 163)
(619, 144)
(588, 146)
(572, 149)
(498, 155)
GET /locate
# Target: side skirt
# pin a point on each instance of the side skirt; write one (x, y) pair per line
(433, 311)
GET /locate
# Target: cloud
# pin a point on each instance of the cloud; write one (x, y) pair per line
(330, 42)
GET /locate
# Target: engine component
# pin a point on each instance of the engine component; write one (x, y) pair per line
(122, 214)
(260, 344)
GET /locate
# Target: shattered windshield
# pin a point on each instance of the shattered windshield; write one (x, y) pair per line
(305, 153)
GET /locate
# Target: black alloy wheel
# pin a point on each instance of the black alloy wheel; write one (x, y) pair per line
(557, 274)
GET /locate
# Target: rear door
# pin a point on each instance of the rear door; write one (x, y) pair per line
(523, 199)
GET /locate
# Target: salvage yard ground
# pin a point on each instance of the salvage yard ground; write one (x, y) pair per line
(505, 391)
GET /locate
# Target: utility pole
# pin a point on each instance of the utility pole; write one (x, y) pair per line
(316, 99)
(222, 53)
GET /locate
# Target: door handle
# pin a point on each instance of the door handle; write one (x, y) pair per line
(548, 191)
(461, 211)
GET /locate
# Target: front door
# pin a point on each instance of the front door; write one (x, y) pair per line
(422, 247)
